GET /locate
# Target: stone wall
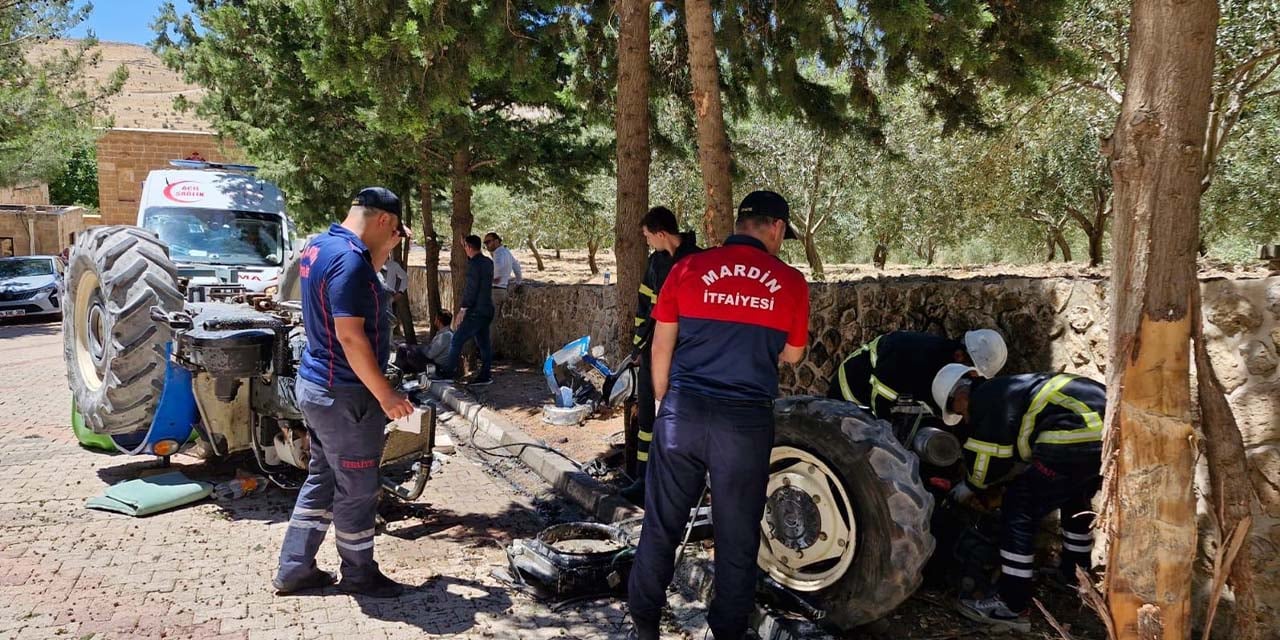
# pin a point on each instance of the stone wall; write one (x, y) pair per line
(1057, 324)
(125, 156)
(537, 318)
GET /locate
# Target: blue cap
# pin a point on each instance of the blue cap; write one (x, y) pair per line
(378, 198)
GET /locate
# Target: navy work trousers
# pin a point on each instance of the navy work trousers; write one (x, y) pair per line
(346, 426)
(695, 436)
(473, 326)
(1038, 491)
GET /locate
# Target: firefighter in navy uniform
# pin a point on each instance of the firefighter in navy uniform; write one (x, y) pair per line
(345, 398)
(724, 320)
(669, 246)
(903, 364)
(1041, 433)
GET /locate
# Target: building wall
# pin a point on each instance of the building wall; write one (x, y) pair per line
(125, 156)
(25, 194)
(53, 230)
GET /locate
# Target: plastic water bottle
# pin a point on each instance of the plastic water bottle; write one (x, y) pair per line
(239, 487)
(566, 398)
(606, 277)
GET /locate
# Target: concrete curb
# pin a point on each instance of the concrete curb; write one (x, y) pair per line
(595, 498)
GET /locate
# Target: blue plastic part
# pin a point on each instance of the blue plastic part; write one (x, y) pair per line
(175, 416)
(570, 355)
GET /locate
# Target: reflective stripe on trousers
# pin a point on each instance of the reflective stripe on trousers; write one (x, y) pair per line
(346, 430)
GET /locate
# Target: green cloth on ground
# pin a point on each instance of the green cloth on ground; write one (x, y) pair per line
(146, 496)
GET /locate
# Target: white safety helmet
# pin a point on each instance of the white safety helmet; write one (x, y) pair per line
(987, 350)
(944, 383)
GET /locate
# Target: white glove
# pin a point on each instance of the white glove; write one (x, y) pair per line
(962, 493)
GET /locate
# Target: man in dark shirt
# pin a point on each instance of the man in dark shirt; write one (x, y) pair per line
(669, 246)
(345, 398)
(1042, 434)
(725, 318)
(474, 316)
(901, 364)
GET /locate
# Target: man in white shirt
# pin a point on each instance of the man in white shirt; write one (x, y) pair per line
(506, 270)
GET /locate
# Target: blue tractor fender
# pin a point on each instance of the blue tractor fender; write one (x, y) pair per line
(172, 426)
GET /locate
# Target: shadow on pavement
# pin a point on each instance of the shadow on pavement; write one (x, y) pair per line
(471, 529)
(441, 606)
(29, 326)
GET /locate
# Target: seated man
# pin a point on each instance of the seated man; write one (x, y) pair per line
(1042, 434)
(416, 358)
(904, 363)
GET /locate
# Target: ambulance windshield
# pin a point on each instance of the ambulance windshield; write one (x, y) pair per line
(214, 236)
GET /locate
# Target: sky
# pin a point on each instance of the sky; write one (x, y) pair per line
(124, 20)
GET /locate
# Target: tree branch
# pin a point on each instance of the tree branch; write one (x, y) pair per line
(1245, 67)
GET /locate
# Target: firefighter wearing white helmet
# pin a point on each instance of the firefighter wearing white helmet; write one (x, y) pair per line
(1041, 434)
(902, 364)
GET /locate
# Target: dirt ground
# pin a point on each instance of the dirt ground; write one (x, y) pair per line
(518, 393)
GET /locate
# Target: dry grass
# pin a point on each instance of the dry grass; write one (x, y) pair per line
(146, 101)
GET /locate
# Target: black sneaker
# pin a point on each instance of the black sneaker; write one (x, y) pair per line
(375, 586)
(480, 381)
(318, 579)
(993, 611)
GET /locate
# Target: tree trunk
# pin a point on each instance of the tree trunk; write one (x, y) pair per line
(713, 144)
(931, 253)
(881, 255)
(1150, 450)
(406, 218)
(1053, 246)
(811, 222)
(1230, 487)
(1061, 241)
(592, 247)
(811, 255)
(533, 248)
(557, 253)
(459, 222)
(430, 242)
(632, 130)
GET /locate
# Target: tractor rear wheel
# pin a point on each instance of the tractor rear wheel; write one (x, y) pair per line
(115, 352)
(847, 518)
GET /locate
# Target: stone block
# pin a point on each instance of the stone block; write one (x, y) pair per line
(1259, 359)
(1233, 313)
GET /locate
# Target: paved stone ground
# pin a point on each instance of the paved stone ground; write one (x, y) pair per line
(202, 571)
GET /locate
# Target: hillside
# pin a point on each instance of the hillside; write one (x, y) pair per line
(146, 102)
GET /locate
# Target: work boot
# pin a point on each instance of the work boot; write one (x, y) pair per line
(993, 611)
(639, 632)
(318, 579)
(480, 381)
(634, 493)
(375, 586)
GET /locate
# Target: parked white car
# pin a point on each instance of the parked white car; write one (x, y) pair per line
(30, 286)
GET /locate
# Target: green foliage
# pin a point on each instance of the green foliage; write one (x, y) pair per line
(78, 183)
(380, 91)
(47, 108)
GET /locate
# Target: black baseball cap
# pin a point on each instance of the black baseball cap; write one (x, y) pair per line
(378, 198)
(767, 203)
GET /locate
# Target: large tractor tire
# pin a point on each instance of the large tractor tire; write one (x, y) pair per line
(847, 518)
(115, 352)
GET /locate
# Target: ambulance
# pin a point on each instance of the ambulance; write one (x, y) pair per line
(223, 224)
